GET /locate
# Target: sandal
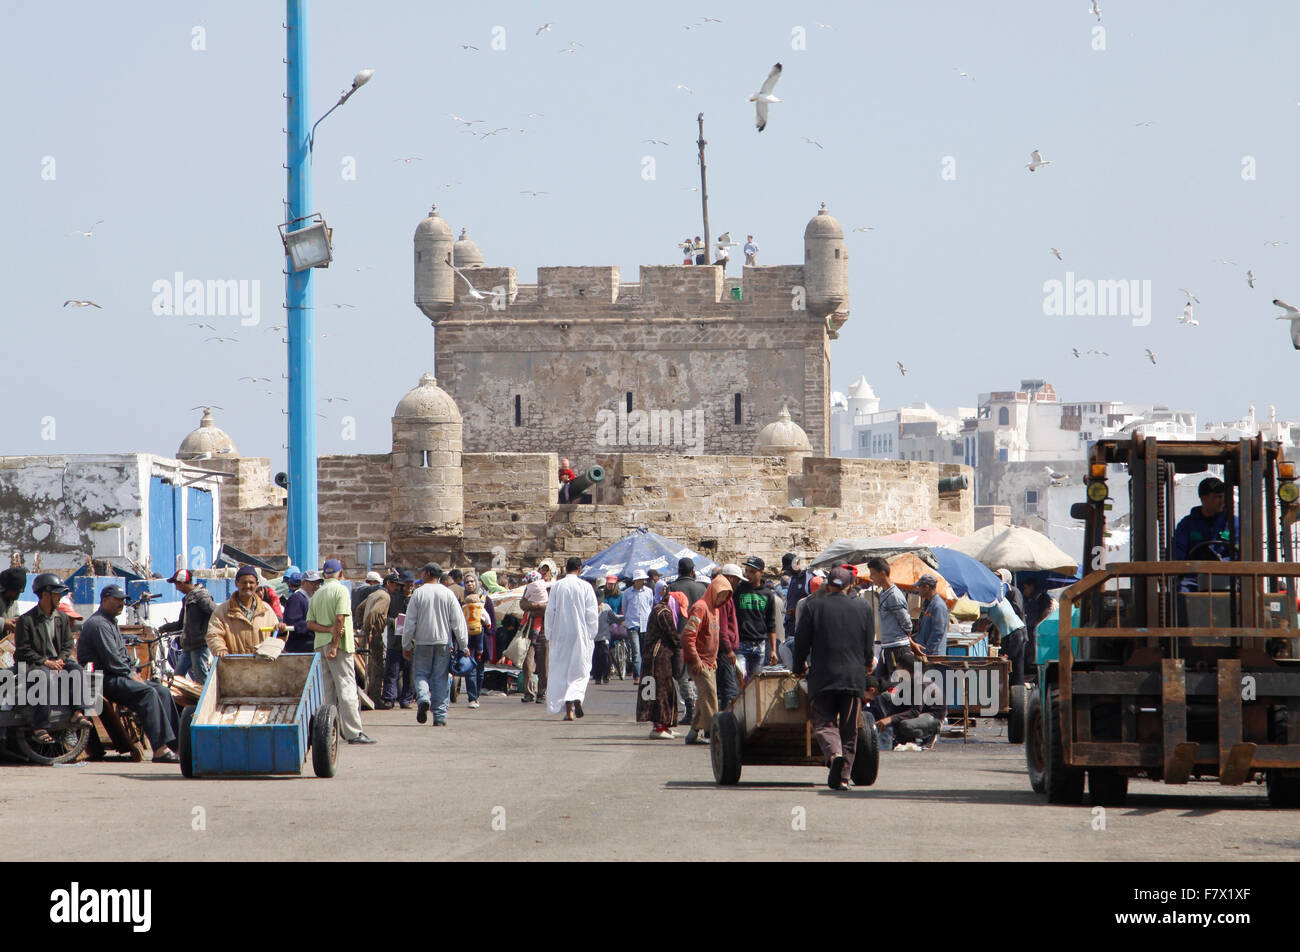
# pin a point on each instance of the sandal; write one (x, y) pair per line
(42, 737)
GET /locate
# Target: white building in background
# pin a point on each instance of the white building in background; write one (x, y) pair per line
(860, 429)
(1285, 432)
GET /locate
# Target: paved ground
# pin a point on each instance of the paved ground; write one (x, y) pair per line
(599, 789)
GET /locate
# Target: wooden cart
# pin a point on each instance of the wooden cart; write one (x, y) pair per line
(768, 723)
(260, 717)
(1011, 702)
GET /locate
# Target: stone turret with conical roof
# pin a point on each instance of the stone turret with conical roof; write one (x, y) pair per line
(784, 437)
(465, 253)
(207, 442)
(427, 508)
(434, 277)
(826, 269)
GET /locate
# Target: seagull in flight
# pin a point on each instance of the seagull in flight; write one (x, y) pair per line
(901, 369)
(409, 159)
(89, 233)
(572, 47)
(462, 119)
(1075, 351)
(655, 141)
(332, 399)
(963, 74)
(1190, 295)
(764, 96)
(474, 292)
(1187, 316)
(544, 28)
(685, 87)
(1274, 244)
(865, 228)
(496, 131)
(76, 303)
(1096, 10)
(469, 46)
(529, 191)
(1293, 315)
(813, 142)
(1151, 355)
(1057, 252)
(1149, 122)
(1227, 261)
(353, 306)
(210, 406)
(223, 340)
(1099, 353)
(1036, 161)
(257, 379)
(1250, 278)
(196, 324)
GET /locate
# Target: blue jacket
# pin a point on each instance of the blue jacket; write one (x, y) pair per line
(1195, 528)
(934, 625)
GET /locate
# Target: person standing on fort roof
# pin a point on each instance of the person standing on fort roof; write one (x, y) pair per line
(751, 250)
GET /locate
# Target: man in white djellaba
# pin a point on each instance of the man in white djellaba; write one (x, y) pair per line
(571, 621)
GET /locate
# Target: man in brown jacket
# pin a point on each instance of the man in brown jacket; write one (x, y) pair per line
(243, 622)
(373, 616)
(700, 640)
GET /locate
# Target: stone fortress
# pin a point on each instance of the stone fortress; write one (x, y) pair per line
(706, 400)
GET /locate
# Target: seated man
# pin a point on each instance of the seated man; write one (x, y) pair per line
(101, 644)
(1205, 533)
(902, 720)
(44, 642)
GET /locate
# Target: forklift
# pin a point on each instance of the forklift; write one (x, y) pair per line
(1173, 668)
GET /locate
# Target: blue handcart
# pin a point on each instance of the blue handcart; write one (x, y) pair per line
(260, 717)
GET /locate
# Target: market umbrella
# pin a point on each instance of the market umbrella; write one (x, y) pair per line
(643, 550)
(927, 536)
(855, 551)
(967, 576)
(1016, 548)
(506, 602)
(906, 567)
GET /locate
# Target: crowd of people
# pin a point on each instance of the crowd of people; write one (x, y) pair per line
(689, 644)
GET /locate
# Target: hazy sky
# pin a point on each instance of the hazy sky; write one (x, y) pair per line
(179, 151)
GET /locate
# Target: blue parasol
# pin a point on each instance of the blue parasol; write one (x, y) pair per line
(967, 576)
(643, 550)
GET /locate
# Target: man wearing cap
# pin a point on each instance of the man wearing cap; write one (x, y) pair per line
(374, 582)
(756, 616)
(638, 600)
(102, 645)
(694, 590)
(44, 642)
(299, 638)
(12, 582)
(196, 609)
(329, 615)
(244, 621)
(433, 619)
(933, 633)
(839, 632)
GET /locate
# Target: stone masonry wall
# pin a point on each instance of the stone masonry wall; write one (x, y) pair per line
(354, 495)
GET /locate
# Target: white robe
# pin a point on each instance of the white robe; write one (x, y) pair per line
(571, 620)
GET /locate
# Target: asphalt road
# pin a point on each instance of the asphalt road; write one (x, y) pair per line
(510, 782)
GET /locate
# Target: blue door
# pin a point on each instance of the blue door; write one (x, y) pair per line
(198, 518)
(164, 511)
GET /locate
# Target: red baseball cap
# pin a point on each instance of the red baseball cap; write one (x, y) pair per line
(182, 575)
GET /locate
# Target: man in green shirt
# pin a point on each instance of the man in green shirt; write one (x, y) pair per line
(329, 615)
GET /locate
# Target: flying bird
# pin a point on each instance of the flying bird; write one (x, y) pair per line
(1190, 295)
(474, 292)
(709, 20)
(1054, 476)
(529, 191)
(655, 141)
(208, 326)
(865, 228)
(1096, 10)
(1187, 316)
(210, 406)
(1250, 278)
(813, 142)
(963, 74)
(1227, 261)
(1149, 122)
(572, 47)
(1151, 355)
(901, 369)
(409, 159)
(462, 119)
(353, 306)
(1075, 351)
(545, 27)
(685, 87)
(1293, 315)
(1099, 353)
(89, 233)
(75, 303)
(468, 46)
(257, 379)
(764, 96)
(496, 131)
(1057, 252)
(724, 240)
(1036, 161)
(332, 399)
(1274, 244)
(223, 340)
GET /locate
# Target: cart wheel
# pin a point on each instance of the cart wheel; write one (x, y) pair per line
(1283, 788)
(1035, 749)
(325, 741)
(1107, 787)
(1016, 721)
(1064, 784)
(67, 747)
(455, 688)
(185, 743)
(724, 748)
(866, 760)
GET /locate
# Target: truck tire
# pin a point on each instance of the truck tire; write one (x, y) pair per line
(185, 743)
(1016, 720)
(724, 748)
(68, 744)
(866, 760)
(1064, 784)
(1283, 789)
(1035, 743)
(1107, 787)
(325, 741)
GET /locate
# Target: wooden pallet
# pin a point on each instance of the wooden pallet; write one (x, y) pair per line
(253, 712)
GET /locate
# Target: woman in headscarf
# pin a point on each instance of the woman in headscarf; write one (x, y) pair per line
(490, 583)
(656, 699)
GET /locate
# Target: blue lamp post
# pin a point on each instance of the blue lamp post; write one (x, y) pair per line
(299, 291)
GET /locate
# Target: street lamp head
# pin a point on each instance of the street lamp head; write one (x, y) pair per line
(362, 78)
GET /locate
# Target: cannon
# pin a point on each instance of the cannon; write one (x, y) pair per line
(583, 482)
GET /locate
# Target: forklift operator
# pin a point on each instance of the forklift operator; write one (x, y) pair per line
(1204, 533)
